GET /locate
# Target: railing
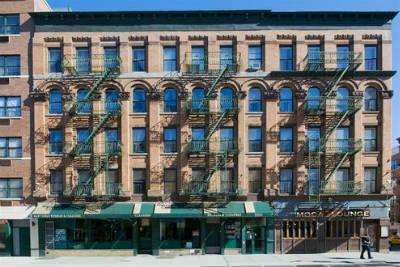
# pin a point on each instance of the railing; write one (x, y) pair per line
(228, 104)
(112, 147)
(112, 189)
(83, 190)
(94, 64)
(198, 146)
(332, 104)
(340, 188)
(83, 148)
(197, 106)
(202, 187)
(320, 61)
(213, 62)
(86, 148)
(228, 146)
(335, 146)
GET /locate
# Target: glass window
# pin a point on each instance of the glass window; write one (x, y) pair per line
(370, 176)
(9, 24)
(138, 59)
(342, 99)
(343, 56)
(10, 147)
(11, 188)
(112, 182)
(255, 139)
(314, 58)
(286, 57)
(371, 57)
(227, 101)
(285, 100)
(255, 100)
(55, 102)
(170, 177)
(55, 59)
(111, 102)
(9, 65)
(255, 180)
(139, 140)
(228, 184)
(84, 145)
(110, 58)
(370, 139)
(314, 135)
(198, 102)
(286, 139)
(198, 174)
(84, 187)
(56, 182)
(139, 181)
(84, 105)
(112, 140)
(199, 143)
(227, 139)
(111, 233)
(198, 59)
(83, 176)
(255, 57)
(55, 141)
(170, 100)
(139, 100)
(313, 99)
(10, 106)
(342, 181)
(313, 181)
(226, 56)
(170, 142)
(286, 180)
(370, 99)
(342, 139)
(394, 164)
(82, 60)
(170, 58)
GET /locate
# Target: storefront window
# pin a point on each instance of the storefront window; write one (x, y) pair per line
(110, 231)
(299, 229)
(232, 233)
(184, 233)
(3, 236)
(343, 228)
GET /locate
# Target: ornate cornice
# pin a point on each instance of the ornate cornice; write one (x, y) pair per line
(372, 36)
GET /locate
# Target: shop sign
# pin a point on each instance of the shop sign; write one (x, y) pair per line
(332, 213)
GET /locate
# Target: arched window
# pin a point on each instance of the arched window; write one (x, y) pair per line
(55, 102)
(83, 106)
(226, 99)
(255, 100)
(342, 99)
(111, 103)
(285, 100)
(139, 100)
(370, 99)
(313, 99)
(198, 95)
(170, 100)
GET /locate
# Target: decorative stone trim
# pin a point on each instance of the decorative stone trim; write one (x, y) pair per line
(344, 37)
(301, 94)
(198, 38)
(226, 37)
(81, 39)
(286, 37)
(241, 94)
(255, 37)
(154, 94)
(67, 97)
(358, 93)
(138, 38)
(169, 38)
(372, 36)
(271, 94)
(387, 94)
(38, 96)
(109, 39)
(54, 39)
(314, 37)
(124, 96)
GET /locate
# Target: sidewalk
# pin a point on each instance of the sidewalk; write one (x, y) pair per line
(326, 259)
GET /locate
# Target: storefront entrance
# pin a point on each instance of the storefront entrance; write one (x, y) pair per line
(371, 228)
(213, 238)
(145, 237)
(255, 239)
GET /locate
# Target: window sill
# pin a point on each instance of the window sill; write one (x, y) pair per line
(139, 154)
(256, 113)
(54, 115)
(168, 113)
(286, 113)
(138, 114)
(169, 154)
(10, 35)
(10, 118)
(375, 112)
(55, 155)
(12, 199)
(13, 76)
(11, 158)
(259, 153)
(287, 153)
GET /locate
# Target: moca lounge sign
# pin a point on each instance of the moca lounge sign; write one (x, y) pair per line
(332, 213)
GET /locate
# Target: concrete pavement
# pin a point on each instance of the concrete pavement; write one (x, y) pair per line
(301, 260)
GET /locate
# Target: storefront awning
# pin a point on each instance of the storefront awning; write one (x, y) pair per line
(240, 209)
(15, 213)
(110, 211)
(47, 210)
(258, 209)
(177, 211)
(143, 210)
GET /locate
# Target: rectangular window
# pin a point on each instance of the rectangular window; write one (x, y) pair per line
(343, 56)
(199, 143)
(313, 181)
(226, 56)
(342, 181)
(170, 58)
(370, 139)
(286, 139)
(286, 57)
(138, 59)
(10, 106)
(170, 177)
(56, 182)
(11, 188)
(371, 57)
(10, 65)
(255, 139)
(255, 180)
(10, 147)
(139, 181)
(228, 183)
(394, 164)
(9, 24)
(139, 140)
(198, 59)
(198, 183)
(286, 180)
(112, 182)
(82, 60)
(112, 140)
(342, 139)
(84, 182)
(54, 60)
(227, 142)
(55, 141)
(84, 145)
(170, 142)
(315, 62)
(343, 228)
(370, 177)
(255, 57)
(110, 58)
(299, 229)
(314, 136)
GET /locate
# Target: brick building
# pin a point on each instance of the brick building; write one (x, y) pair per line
(395, 207)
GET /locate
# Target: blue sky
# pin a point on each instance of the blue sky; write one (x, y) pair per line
(275, 5)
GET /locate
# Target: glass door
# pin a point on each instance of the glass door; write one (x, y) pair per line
(255, 240)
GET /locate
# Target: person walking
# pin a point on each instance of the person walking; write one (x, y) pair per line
(366, 246)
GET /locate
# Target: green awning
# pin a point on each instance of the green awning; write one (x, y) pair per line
(178, 211)
(111, 211)
(258, 209)
(143, 210)
(231, 209)
(46, 210)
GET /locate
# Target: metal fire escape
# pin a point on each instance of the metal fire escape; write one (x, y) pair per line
(213, 71)
(99, 69)
(326, 155)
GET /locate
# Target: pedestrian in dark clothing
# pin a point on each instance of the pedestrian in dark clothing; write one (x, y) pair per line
(366, 246)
